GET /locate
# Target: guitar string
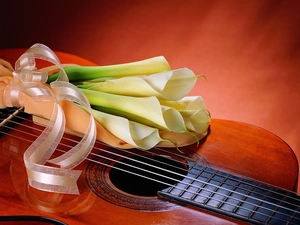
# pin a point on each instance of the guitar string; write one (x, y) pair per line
(151, 159)
(216, 187)
(123, 150)
(185, 190)
(253, 211)
(162, 168)
(132, 153)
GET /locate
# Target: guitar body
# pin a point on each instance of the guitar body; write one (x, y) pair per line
(230, 146)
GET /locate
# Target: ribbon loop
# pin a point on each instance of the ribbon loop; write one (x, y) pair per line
(25, 63)
(27, 75)
(29, 81)
(12, 97)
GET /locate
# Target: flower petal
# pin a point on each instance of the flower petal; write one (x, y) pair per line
(196, 120)
(133, 133)
(186, 103)
(172, 85)
(146, 110)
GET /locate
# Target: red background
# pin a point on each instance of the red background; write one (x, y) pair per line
(248, 50)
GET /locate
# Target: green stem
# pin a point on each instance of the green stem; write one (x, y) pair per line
(143, 67)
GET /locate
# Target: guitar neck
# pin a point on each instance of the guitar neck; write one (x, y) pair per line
(234, 196)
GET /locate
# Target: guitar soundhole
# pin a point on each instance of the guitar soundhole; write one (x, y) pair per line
(144, 180)
(131, 178)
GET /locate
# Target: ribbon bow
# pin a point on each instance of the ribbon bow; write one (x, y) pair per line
(32, 82)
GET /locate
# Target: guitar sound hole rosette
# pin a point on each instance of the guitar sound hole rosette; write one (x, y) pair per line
(131, 178)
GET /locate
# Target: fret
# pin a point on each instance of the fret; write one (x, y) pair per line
(243, 208)
(194, 178)
(218, 194)
(262, 211)
(235, 196)
(287, 210)
(260, 195)
(295, 218)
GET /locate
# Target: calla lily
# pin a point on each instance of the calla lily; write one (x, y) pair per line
(193, 111)
(175, 85)
(186, 103)
(136, 134)
(196, 120)
(145, 97)
(143, 67)
(161, 85)
(146, 110)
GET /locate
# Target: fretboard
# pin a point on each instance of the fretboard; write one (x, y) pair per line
(236, 197)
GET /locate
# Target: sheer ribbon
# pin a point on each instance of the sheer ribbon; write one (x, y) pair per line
(32, 82)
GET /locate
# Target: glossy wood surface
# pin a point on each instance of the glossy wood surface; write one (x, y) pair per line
(231, 146)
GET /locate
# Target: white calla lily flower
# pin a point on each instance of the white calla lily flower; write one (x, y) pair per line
(186, 103)
(161, 85)
(173, 85)
(136, 134)
(146, 110)
(196, 120)
(193, 111)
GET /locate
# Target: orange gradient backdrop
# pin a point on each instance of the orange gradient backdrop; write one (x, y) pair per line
(248, 50)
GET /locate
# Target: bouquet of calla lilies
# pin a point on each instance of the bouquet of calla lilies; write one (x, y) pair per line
(142, 103)
(133, 105)
(139, 102)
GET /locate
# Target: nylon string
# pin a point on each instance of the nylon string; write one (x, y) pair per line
(166, 170)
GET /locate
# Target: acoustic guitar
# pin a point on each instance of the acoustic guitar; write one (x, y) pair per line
(238, 174)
